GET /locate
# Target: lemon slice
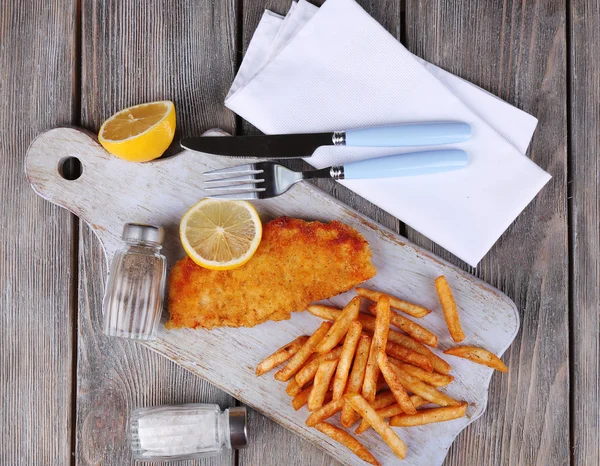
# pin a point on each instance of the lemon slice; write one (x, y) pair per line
(140, 133)
(219, 234)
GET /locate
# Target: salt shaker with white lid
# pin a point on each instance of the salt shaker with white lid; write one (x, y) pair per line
(133, 300)
(188, 431)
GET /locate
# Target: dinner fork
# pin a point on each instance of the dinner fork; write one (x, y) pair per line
(264, 180)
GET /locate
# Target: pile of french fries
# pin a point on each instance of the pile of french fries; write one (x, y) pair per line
(356, 365)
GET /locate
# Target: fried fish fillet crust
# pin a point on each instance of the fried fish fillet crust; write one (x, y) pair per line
(297, 263)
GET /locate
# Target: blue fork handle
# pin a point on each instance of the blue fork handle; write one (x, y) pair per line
(409, 134)
(410, 164)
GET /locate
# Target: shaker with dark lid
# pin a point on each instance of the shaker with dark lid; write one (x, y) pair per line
(133, 300)
(188, 431)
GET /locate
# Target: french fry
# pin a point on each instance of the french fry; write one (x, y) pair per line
(311, 358)
(340, 326)
(280, 356)
(437, 363)
(360, 405)
(389, 411)
(368, 323)
(405, 354)
(449, 307)
(429, 416)
(348, 441)
(301, 398)
(383, 399)
(321, 384)
(307, 373)
(380, 335)
(432, 378)
(404, 306)
(351, 418)
(343, 368)
(324, 312)
(396, 387)
(424, 390)
(293, 388)
(357, 374)
(324, 412)
(478, 355)
(413, 329)
(298, 359)
(364, 424)
(417, 401)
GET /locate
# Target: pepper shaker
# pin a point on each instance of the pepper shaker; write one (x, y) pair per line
(133, 300)
(188, 431)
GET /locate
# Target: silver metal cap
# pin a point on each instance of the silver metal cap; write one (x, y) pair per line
(238, 427)
(146, 233)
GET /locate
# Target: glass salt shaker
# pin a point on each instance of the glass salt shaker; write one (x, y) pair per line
(133, 300)
(185, 432)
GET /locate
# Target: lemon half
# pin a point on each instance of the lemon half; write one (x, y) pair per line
(140, 133)
(221, 234)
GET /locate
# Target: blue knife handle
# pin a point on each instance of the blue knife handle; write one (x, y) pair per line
(410, 164)
(410, 134)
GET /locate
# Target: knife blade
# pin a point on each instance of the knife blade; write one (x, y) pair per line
(289, 146)
(280, 146)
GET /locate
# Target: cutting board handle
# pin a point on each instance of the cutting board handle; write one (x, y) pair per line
(44, 165)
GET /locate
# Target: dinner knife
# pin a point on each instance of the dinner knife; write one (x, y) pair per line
(289, 146)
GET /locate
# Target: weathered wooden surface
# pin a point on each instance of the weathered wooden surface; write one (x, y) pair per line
(37, 57)
(517, 51)
(585, 229)
(137, 52)
(228, 356)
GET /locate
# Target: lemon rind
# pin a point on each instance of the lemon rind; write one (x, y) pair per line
(215, 265)
(170, 108)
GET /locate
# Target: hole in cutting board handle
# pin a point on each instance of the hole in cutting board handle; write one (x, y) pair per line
(70, 168)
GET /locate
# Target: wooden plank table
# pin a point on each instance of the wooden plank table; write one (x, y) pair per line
(66, 389)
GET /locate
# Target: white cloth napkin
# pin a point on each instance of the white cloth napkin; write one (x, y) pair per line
(335, 68)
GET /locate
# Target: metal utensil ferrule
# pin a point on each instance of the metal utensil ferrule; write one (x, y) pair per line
(337, 173)
(339, 138)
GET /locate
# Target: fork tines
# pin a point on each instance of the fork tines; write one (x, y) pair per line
(246, 168)
(243, 184)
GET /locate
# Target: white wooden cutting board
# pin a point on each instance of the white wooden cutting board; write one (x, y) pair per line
(111, 192)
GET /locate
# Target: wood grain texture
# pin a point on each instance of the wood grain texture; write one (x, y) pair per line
(388, 13)
(585, 229)
(138, 52)
(37, 58)
(228, 356)
(516, 50)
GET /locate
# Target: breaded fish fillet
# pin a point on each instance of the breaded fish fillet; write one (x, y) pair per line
(296, 264)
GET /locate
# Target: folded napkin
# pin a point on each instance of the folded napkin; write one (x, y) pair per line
(335, 67)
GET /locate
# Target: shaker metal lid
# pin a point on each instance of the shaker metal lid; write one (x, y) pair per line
(140, 232)
(238, 427)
